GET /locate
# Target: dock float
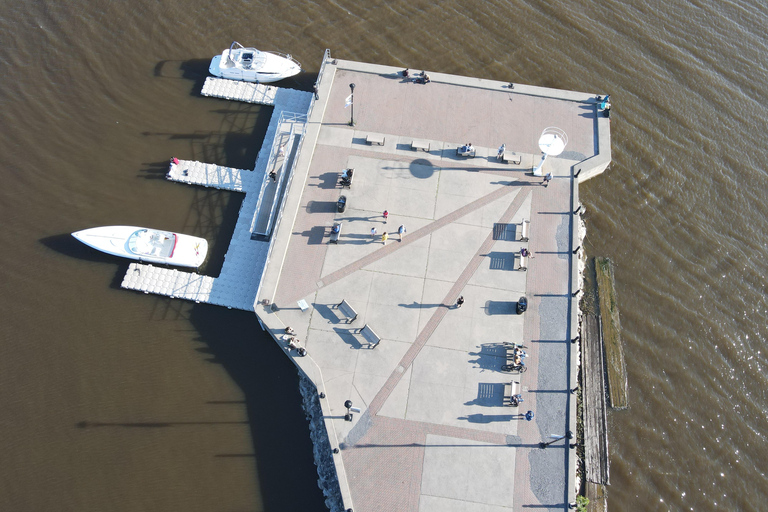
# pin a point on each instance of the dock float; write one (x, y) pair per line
(239, 91)
(247, 255)
(209, 175)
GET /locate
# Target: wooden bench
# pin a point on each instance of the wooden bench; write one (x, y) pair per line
(370, 336)
(510, 349)
(509, 157)
(510, 389)
(420, 144)
(375, 139)
(335, 234)
(347, 310)
(521, 262)
(525, 228)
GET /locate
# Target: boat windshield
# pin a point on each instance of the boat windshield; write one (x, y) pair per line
(148, 242)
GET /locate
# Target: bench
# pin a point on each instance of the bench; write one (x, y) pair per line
(510, 389)
(511, 158)
(375, 139)
(346, 177)
(347, 310)
(521, 262)
(461, 151)
(510, 349)
(525, 228)
(370, 336)
(335, 234)
(420, 144)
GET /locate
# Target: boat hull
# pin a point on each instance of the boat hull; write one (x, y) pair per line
(171, 249)
(278, 68)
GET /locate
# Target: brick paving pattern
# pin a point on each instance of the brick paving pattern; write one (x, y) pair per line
(384, 456)
(461, 282)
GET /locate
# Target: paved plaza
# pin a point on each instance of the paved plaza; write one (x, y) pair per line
(432, 433)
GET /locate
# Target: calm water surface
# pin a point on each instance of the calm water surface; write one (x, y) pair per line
(114, 400)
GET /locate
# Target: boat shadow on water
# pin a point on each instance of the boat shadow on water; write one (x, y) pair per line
(67, 245)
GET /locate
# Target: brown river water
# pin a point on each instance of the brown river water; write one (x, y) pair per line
(114, 400)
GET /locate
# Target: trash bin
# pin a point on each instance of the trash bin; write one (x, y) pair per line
(341, 205)
(522, 305)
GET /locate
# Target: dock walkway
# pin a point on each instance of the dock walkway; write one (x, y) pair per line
(246, 258)
(210, 175)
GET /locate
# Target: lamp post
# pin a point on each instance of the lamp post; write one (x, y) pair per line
(568, 435)
(348, 405)
(352, 105)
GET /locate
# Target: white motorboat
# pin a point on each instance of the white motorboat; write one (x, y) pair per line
(150, 245)
(252, 65)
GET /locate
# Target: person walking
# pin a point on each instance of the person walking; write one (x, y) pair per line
(373, 232)
(386, 215)
(384, 237)
(459, 302)
(401, 232)
(529, 415)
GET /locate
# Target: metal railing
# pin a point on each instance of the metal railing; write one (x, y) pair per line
(285, 171)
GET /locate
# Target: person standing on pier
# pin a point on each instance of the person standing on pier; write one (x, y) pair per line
(373, 232)
(386, 215)
(459, 302)
(401, 232)
(547, 179)
(502, 150)
(384, 238)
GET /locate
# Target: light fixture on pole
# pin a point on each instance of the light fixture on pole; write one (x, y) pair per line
(552, 142)
(555, 438)
(352, 105)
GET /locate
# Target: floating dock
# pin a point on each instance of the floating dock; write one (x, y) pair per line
(248, 252)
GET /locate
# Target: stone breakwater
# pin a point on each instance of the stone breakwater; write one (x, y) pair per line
(328, 480)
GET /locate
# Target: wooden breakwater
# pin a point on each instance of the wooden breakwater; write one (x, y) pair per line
(610, 326)
(596, 456)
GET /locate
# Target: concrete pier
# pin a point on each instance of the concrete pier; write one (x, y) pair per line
(427, 429)
(432, 433)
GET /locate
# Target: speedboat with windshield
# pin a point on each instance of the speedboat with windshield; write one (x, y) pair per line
(149, 245)
(252, 65)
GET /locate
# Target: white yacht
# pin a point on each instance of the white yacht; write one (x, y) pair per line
(252, 65)
(149, 245)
